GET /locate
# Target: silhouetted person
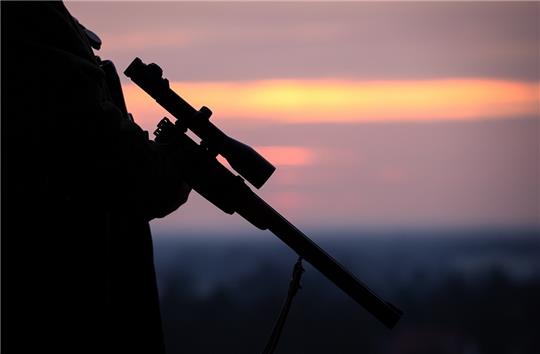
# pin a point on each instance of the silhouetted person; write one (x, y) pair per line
(80, 183)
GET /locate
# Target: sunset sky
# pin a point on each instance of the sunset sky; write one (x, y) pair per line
(377, 115)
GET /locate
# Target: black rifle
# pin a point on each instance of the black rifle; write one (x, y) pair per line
(228, 192)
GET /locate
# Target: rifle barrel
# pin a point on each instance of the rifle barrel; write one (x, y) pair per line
(257, 208)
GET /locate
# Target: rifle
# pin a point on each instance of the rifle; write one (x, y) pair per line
(227, 191)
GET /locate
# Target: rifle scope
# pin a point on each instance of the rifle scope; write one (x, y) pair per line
(242, 158)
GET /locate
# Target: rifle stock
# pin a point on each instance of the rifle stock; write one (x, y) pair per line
(230, 193)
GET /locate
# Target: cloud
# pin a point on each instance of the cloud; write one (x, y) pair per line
(150, 40)
(288, 155)
(355, 40)
(449, 174)
(311, 101)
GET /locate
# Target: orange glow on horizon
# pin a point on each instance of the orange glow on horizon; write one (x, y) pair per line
(310, 101)
(287, 155)
(281, 156)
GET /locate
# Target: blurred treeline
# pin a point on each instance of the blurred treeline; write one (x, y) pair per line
(472, 294)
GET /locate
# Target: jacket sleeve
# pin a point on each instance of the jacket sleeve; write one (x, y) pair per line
(148, 175)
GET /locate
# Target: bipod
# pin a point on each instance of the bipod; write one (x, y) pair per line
(294, 286)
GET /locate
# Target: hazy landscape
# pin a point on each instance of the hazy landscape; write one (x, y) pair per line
(461, 291)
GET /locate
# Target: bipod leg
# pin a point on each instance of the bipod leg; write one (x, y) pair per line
(294, 286)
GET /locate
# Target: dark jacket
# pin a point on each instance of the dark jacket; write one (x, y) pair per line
(79, 185)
